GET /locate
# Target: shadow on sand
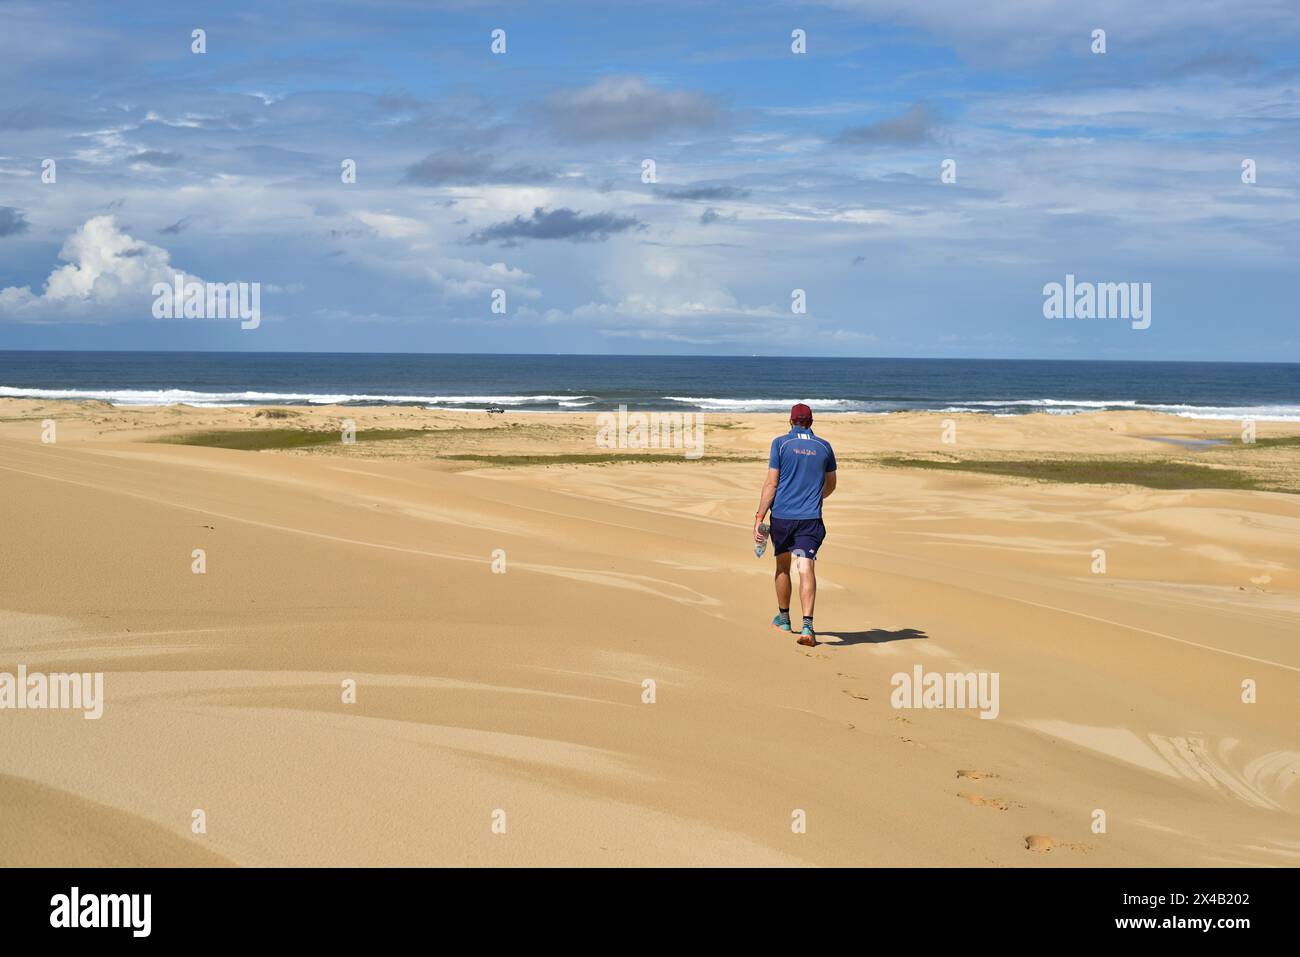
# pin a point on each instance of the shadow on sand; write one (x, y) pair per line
(877, 636)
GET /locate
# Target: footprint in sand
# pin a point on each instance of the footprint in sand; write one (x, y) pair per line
(980, 801)
(1042, 843)
(974, 775)
(860, 697)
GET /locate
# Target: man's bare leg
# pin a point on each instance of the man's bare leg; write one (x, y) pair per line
(783, 586)
(807, 592)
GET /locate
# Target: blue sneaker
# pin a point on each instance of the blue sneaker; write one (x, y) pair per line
(780, 625)
(808, 636)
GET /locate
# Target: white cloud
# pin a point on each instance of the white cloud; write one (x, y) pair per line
(390, 226)
(106, 273)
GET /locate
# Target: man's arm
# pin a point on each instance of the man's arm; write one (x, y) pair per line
(828, 484)
(765, 499)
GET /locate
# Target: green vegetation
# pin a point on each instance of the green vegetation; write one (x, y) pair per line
(1283, 441)
(255, 440)
(567, 458)
(1146, 473)
(1153, 473)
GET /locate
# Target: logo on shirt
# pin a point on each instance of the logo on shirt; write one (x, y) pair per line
(804, 451)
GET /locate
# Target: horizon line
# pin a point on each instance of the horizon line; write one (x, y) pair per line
(635, 355)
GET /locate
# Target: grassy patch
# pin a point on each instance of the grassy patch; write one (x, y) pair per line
(567, 458)
(1148, 474)
(1282, 441)
(255, 440)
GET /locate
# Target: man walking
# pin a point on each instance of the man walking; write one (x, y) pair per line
(800, 474)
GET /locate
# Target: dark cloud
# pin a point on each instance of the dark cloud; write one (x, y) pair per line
(561, 223)
(703, 192)
(234, 120)
(156, 158)
(462, 167)
(351, 232)
(176, 228)
(911, 128)
(280, 159)
(711, 215)
(622, 108)
(33, 117)
(12, 221)
(1232, 64)
(398, 104)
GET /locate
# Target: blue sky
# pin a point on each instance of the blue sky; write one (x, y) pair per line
(775, 171)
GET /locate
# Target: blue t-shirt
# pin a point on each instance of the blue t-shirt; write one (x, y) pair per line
(803, 460)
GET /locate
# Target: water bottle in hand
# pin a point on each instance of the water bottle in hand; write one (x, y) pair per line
(761, 547)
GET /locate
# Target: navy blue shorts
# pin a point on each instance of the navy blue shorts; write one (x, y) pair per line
(803, 536)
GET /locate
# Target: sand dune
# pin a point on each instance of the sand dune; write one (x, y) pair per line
(480, 692)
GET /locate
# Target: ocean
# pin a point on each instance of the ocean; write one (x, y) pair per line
(551, 383)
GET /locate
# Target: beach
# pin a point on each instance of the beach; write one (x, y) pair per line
(560, 654)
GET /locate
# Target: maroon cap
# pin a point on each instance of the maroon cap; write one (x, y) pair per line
(799, 412)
